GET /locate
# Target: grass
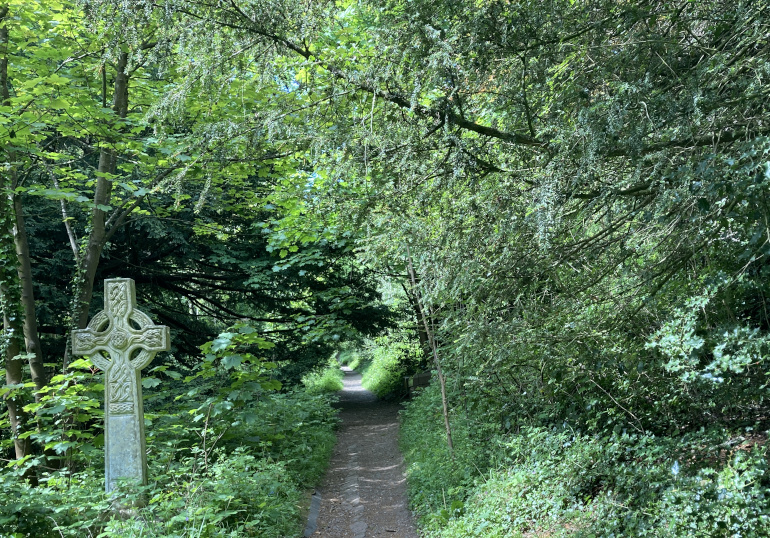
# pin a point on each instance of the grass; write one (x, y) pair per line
(324, 380)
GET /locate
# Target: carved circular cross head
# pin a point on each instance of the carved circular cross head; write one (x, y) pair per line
(134, 336)
(120, 330)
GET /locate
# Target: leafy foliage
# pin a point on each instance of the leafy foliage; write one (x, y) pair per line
(387, 360)
(558, 482)
(324, 379)
(233, 462)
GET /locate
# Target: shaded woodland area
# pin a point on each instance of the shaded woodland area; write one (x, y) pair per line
(559, 207)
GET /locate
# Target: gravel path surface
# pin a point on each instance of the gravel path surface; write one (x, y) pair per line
(363, 494)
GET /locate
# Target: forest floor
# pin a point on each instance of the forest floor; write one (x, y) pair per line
(363, 493)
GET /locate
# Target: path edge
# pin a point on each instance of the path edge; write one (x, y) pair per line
(312, 516)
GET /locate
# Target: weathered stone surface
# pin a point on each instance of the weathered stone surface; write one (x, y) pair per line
(121, 341)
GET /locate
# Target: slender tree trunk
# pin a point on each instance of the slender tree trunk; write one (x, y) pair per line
(89, 261)
(31, 335)
(11, 328)
(4, 51)
(11, 338)
(421, 334)
(14, 376)
(437, 362)
(19, 230)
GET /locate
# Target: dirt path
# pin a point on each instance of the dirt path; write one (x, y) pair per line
(363, 494)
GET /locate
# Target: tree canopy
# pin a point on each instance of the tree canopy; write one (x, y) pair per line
(579, 188)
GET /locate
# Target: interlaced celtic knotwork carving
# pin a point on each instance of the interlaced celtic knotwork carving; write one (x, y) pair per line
(121, 408)
(121, 341)
(118, 303)
(120, 383)
(153, 337)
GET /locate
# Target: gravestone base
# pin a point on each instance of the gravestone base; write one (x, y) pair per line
(124, 444)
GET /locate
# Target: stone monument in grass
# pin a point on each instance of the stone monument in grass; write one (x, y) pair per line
(122, 340)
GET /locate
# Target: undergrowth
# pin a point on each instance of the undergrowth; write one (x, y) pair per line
(352, 358)
(325, 379)
(384, 361)
(247, 484)
(228, 455)
(555, 481)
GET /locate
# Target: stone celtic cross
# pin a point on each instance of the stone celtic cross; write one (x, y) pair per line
(122, 340)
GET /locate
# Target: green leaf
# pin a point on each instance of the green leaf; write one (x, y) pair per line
(222, 342)
(272, 384)
(231, 361)
(149, 382)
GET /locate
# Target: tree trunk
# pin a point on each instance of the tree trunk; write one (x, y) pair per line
(14, 376)
(19, 230)
(421, 334)
(12, 328)
(24, 268)
(89, 261)
(432, 341)
(3, 52)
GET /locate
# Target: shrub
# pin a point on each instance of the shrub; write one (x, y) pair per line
(387, 360)
(555, 481)
(239, 495)
(351, 358)
(238, 475)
